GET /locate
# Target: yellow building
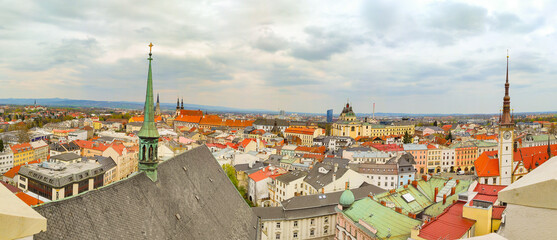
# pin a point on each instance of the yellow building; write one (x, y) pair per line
(97, 125)
(23, 153)
(349, 125)
(306, 135)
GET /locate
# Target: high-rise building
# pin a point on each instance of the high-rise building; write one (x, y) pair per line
(330, 115)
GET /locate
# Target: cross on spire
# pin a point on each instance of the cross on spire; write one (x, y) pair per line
(151, 48)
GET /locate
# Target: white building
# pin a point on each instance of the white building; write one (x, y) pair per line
(305, 217)
(6, 160)
(447, 159)
(326, 178)
(258, 185)
(77, 135)
(286, 186)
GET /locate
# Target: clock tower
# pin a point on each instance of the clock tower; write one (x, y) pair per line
(506, 137)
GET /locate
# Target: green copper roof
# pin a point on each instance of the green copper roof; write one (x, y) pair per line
(419, 203)
(347, 198)
(438, 208)
(385, 220)
(149, 129)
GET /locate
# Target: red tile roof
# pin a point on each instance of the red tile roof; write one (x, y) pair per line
(91, 145)
(31, 201)
(492, 190)
(386, 147)
(483, 197)
(246, 141)
(217, 145)
(12, 172)
(487, 164)
(449, 225)
(319, 150)
(265, 173)
(498, 212)
(119, 148)
(18, 148)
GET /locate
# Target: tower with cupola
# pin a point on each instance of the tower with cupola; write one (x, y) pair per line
(506, 137)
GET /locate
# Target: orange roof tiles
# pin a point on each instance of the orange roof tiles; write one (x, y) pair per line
(238, 123)
(12, 172)
(213, 120)
(320, 150)
(187, 118)
(264, 173)
(31, 201)
(18, 148)
(141, 118)
(308, 131)
(487, 164)
(91, 145)
(186, 112)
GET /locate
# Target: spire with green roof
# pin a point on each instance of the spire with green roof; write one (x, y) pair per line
(148, 135)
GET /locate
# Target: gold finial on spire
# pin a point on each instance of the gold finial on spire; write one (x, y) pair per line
(150, 47)
(507, 53)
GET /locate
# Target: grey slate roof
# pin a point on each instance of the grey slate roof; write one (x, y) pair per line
(199, 202)
(318, 180)
(65, 157)
(107, 163)
(291, 176)
(312, 205)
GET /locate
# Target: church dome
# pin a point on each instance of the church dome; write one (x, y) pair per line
(347, 198)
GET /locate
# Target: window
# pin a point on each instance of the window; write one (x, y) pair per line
(277, 236)
(312, 232)
(326, 230)
(295, 223)
(312, 221)
(295, 235)
(326, 220)
(278, 225)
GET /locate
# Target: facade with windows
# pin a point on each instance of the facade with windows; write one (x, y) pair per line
(6, 160)
(58, 180)
(305, 217)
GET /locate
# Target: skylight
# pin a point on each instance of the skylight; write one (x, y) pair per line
(408, 197)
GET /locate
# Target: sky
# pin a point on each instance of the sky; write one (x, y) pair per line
(300, 56)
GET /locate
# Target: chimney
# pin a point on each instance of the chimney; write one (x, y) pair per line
(334, 177)
(398, 210)
(370, 196)
(457, 182)
(335, 167)
(383, 203)
(415, 184)
(436, 191)
(444, 198)
(453, 190)
(424, 177)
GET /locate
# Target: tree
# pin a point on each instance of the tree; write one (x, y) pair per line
(407, 138)
(1, 145)
(449, 136)
(435, 123)
(231, 173)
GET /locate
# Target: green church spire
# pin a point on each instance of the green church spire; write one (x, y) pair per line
(148, 135)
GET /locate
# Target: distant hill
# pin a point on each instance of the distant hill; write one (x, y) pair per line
(64, 102)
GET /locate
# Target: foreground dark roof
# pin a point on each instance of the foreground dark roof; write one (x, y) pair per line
(199, 202)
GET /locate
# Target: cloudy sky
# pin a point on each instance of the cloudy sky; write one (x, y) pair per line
(307, 56)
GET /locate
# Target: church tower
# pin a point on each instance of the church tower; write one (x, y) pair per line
(506, 137)
(148, 135)
(158, 107)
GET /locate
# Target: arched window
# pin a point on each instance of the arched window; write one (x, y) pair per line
(143, 154)
(151, 153)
